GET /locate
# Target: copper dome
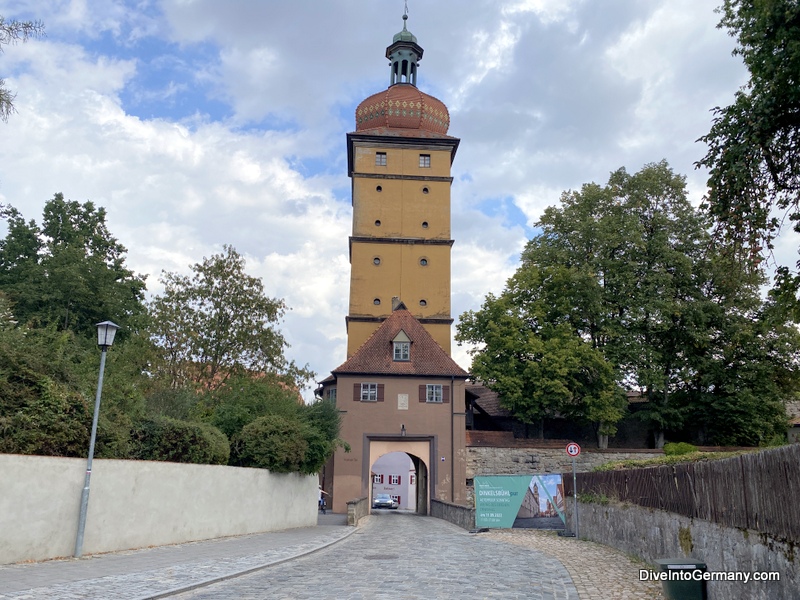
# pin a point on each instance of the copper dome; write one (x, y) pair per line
(403, 106)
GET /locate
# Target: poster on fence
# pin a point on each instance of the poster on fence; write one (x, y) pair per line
(521, 501)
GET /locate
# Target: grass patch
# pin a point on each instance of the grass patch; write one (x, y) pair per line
(642, 463)
(594, 498)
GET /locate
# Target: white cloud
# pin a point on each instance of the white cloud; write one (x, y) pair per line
(544, 95)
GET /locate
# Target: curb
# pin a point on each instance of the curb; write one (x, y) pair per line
(207, 582)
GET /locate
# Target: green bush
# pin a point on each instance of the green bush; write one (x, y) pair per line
(42, 410)
(679, 449)
(272, 442)
(167, 439)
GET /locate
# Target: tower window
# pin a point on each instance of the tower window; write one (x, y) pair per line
(376, 261)
(402, 350)
(377, 301)
(423, 262)
(423, 302)
(424, 224)
(380, 159)
(378, 189)
(378, 223)
(425, 190)
(425, 161)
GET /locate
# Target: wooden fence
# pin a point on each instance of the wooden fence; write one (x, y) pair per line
(759, 491)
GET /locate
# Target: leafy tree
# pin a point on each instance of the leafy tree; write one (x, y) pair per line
(43, 410)
(629, 271)
(538, 367)
(242, 399)
(219, 322)
(754, 144)
(11, 32)
(70, 272)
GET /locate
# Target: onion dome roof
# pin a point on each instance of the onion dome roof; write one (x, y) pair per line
(403, 106)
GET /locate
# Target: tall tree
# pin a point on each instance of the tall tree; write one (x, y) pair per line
(219, 322)
(69, 273)
(540, 367)
(11, 32)
(754, 144)
(629, 270)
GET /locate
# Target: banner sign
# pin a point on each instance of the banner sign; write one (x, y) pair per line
(521, 501)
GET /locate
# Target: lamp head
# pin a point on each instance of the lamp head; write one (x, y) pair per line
(105, 334)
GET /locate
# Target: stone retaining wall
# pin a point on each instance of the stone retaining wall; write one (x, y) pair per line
(653, 534)
(463, 516)
(534, 457)
(357, 510)
(534, 460)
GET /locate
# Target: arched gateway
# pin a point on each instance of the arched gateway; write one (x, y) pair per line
(399, 389)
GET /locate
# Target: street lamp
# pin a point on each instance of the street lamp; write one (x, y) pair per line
(105, 337)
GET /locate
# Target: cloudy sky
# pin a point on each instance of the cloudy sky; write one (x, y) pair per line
(199, 123)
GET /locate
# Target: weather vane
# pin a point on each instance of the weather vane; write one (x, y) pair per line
(405, 13)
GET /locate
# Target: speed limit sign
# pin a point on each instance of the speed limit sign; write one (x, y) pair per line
(573, 449)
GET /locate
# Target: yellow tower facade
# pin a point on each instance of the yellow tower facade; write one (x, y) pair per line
(399, 161)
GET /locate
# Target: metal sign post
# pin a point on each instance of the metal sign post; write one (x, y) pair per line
(574, 450)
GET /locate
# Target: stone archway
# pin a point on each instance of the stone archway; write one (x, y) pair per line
(420, 453)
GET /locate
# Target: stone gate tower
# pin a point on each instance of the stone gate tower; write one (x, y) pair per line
(399, 160)
(399, 389)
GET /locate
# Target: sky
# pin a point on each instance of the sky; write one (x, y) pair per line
(199, 123)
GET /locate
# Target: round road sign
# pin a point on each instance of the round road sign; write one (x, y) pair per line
(573, 449)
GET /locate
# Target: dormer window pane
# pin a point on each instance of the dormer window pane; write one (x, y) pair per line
(402, 351)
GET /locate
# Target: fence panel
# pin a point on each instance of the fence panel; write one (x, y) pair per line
(757, 491)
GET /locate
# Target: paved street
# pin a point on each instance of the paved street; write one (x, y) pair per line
(401, 556)
(149, 572)
(392, 555)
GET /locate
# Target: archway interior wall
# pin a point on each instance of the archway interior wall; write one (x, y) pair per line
(420, 449)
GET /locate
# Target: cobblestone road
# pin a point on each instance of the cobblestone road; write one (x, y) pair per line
(397, 557)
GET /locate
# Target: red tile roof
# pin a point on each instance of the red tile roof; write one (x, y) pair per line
(376, 355)
(487, 400)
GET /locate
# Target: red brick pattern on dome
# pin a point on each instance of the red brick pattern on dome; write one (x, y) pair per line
(403, 106)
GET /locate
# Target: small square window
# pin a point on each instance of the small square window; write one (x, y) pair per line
(412, 479)
(402, 351)
(369, 392)
(377, 478)
(434, 393)
(380, 159)
(332, 395)
(424, 161)
(394, 479)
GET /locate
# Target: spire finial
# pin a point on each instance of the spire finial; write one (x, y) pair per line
(405, 16)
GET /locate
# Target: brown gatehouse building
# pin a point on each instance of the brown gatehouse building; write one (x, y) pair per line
(399, 389)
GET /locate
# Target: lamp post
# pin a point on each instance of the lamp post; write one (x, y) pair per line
(105, 337)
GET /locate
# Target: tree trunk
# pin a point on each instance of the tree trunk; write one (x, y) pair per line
(659, 435)
(602, 441)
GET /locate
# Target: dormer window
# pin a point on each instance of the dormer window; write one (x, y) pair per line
(402, 346)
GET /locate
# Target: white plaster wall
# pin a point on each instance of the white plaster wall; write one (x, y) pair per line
(134, 504)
